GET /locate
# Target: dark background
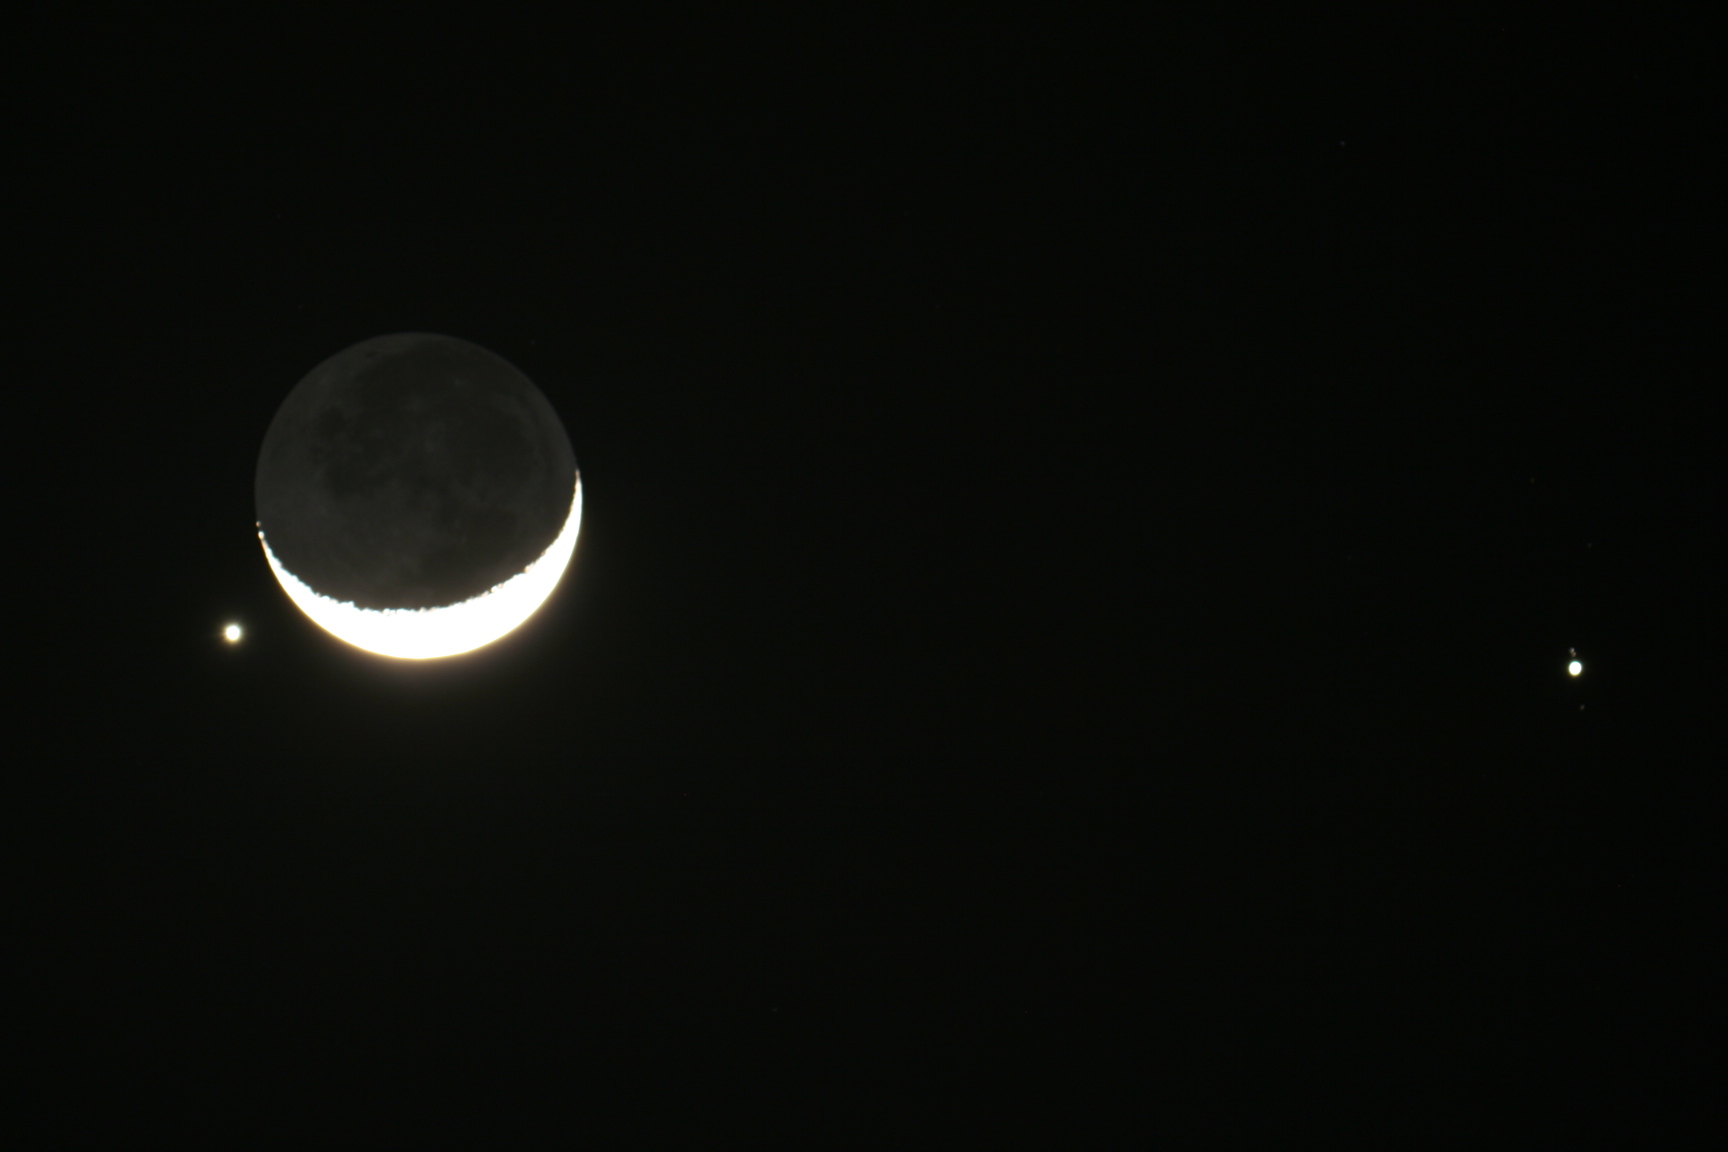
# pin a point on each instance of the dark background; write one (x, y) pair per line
(1084, 528)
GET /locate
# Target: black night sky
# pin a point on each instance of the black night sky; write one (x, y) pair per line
(1084, 529)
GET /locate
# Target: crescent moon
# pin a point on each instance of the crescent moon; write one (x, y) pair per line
(450, 630)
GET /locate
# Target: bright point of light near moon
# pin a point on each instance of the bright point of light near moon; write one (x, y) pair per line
(1575, 667)
(428, 633)
(231, 633)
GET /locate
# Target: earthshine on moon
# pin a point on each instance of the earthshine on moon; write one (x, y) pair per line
(417, 496)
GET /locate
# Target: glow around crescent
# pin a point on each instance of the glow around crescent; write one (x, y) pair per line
(428, 633)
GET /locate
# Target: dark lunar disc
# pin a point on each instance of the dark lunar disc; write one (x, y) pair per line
(413, 471)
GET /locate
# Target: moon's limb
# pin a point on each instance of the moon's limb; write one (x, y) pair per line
(428, 633)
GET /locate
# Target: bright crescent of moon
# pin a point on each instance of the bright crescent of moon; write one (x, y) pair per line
(428, 633)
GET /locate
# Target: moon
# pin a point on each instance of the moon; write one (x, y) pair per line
(417, 496)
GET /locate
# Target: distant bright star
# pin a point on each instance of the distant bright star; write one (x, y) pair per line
(1575, 667)
(231, 633)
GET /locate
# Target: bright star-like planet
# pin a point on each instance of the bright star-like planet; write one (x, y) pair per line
(1575, 667)
(231, 633)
